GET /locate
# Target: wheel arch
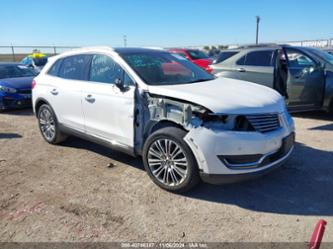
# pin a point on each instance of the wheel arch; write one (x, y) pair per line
(153, 126)
(38, 103)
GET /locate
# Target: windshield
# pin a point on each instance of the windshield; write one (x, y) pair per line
(161, 68)
(15, 71)
(323, 55)
(197, 54)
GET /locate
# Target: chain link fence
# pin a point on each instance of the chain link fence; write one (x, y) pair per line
(17, 53)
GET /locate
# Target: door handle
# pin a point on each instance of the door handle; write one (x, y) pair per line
(89, 98)
(242, 70)
(54, 91)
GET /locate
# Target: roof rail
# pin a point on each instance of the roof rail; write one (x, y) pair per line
(261, 45)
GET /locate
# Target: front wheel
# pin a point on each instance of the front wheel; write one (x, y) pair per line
(169, 161)
(48, 125)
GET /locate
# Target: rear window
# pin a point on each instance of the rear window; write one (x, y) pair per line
(224, 56)
(257, 58)
(55, 68)
(15, 71)
(74, 67)
(197, 54)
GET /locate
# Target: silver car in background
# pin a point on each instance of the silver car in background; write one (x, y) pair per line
(304, 76)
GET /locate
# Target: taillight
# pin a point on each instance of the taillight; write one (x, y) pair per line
(33, 84)
(209, 69)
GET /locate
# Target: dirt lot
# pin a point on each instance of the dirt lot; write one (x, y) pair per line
(69, 192)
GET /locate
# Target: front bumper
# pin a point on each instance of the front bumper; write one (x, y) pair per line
(15, 101)
(233, 178)
(248, 154)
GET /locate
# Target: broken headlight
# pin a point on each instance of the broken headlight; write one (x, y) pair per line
(224, 121)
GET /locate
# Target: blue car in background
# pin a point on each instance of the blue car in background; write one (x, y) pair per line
(15, 86)
(36, 60)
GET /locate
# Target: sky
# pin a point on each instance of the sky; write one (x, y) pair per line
(164, 23)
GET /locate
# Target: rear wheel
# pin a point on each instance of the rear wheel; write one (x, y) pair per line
(48, 125)
(169, 161)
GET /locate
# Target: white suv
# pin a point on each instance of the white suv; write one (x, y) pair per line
(184, 122)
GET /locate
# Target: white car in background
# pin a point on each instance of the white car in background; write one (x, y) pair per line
(184, 122)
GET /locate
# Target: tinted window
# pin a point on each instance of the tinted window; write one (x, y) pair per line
(241, 61)
(105, 69)
(298, 59)
(324, 55)
(197, 54)
(259, 58)
(55, 68)
(161, 68)
(224, 56)
(74, 67)
(40, 62)
(15, 71)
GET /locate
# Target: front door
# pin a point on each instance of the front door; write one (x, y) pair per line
(306, 80)
(109, 110)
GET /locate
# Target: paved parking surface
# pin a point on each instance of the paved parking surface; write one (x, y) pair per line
(81, 191)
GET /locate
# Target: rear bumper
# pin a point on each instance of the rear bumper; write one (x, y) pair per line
(233, 178)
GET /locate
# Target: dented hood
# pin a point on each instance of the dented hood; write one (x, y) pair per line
(224, 95)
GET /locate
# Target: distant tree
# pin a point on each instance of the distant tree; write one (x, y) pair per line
(206, 47)
(221, 47)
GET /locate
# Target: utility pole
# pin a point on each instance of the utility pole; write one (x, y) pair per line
(257, 32)
(125, 40)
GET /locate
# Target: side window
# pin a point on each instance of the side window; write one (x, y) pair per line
(55, 68)
(105, 69)
(241, 61)
(298, 59)
(74, 67)
(259, 58)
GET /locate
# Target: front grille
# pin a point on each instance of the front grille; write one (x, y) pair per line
(264, 122)
(24, 91)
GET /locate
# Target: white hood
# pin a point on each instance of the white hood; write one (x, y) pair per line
(224, 95)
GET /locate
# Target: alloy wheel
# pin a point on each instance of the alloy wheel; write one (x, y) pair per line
(167, 162)
(47, 124)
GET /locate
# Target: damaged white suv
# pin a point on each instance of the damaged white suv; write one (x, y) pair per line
(185, 123)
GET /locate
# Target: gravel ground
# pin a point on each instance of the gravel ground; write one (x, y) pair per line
(80, 191)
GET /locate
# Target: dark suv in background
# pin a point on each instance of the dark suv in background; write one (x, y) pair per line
(303, 75)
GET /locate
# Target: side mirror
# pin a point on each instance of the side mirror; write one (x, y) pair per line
(120, 84)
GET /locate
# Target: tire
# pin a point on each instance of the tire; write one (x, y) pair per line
(48, 125)
(176, 169)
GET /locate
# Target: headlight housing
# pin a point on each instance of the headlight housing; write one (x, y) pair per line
(7, 89)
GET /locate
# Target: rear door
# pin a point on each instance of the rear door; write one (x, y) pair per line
(257, 67)
(306, 79)
(108, 110)
(64, 91)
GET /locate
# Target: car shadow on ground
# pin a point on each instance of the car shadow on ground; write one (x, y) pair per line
(303, 186)
(9, 135)
(18, 112)
(328, 127)
(319, 115)
(76, 142)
